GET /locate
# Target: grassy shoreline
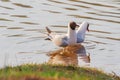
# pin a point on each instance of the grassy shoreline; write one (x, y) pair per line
(52, 72)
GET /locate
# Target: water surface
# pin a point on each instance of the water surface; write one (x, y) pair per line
(23, 22)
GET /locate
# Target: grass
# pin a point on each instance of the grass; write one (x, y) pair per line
(52, 72)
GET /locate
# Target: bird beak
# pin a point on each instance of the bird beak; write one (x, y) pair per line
(77, 25)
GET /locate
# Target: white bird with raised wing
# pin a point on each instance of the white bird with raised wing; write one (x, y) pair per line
(72, 37)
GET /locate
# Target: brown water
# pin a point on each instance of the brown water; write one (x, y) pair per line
(23, 22)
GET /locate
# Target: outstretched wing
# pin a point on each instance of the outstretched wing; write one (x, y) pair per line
(49, 34)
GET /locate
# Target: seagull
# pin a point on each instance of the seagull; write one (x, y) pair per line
(72, 37)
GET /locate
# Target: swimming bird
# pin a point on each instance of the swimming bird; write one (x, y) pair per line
(72, 37)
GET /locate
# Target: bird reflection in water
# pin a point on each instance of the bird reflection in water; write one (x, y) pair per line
(70, 55)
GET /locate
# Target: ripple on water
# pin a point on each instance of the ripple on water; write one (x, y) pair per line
(92, 3)
(6, 7)
(3, 26)
(14, 28)
(47, 4)
(90, 45)
(20, 16)
(4, 13)
(24, 52)
(60, 26)
(108, 12)
(98, 31)
(72, 9)
(110, 38)
(5, 0)
(81, 6)
(22, 5)
(101, 14)
(17, 35)
(88, 17)
(55, 1)
(30, 23)
(4, 19)
(94, 43)
(51, 11)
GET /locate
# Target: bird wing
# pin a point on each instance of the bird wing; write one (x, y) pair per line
(50, 34)
(48, 30)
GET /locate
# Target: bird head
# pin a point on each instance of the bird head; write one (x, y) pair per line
(73, 25)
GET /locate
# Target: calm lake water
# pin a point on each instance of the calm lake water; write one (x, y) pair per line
(23, 22)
